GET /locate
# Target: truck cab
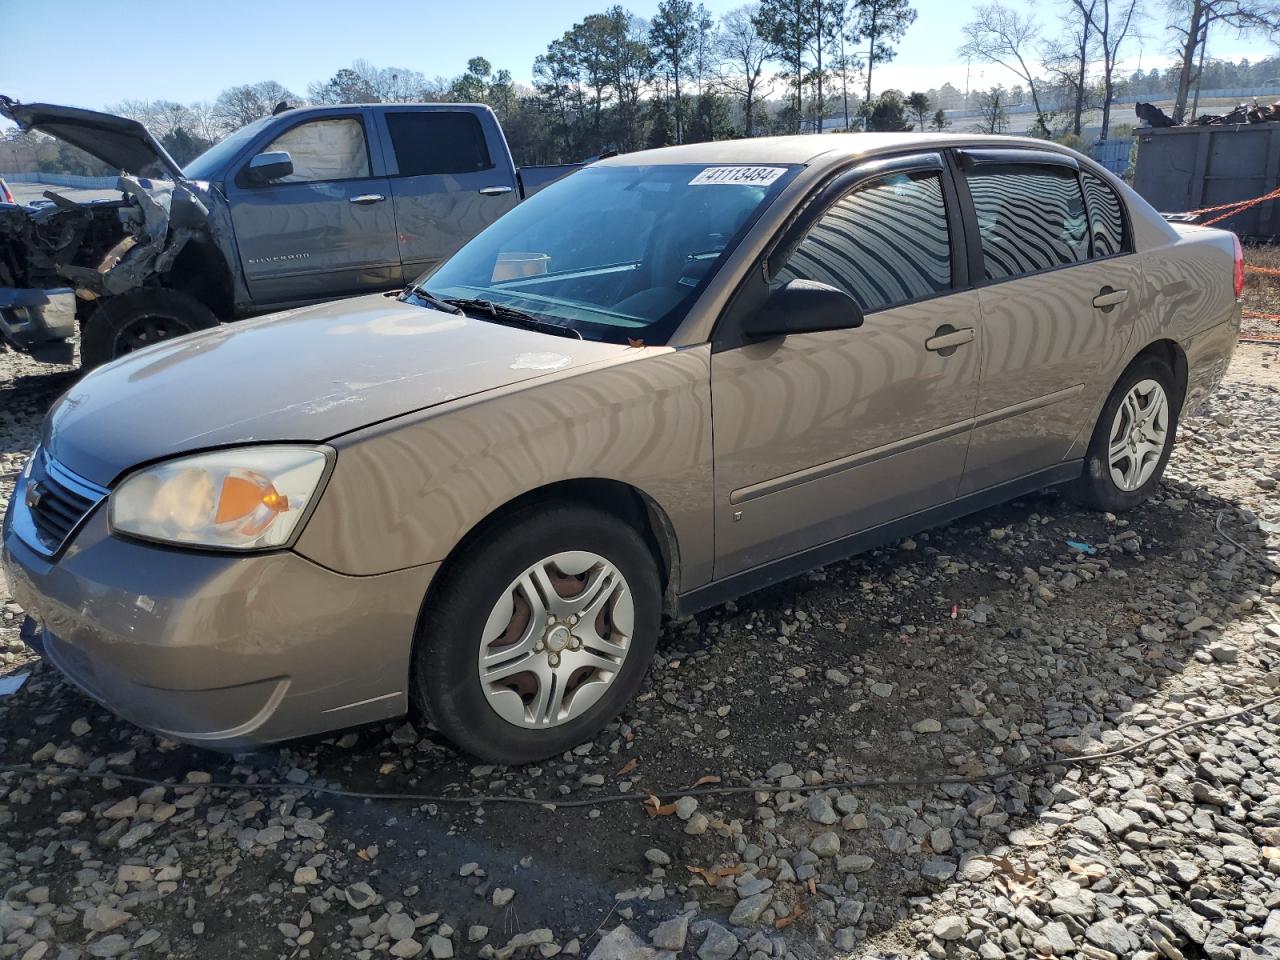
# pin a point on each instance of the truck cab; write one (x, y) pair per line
(305, 205)
(334, 201)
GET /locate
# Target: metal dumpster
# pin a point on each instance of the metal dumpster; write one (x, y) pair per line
(1187, 168)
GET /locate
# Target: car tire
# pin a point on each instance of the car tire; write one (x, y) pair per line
(544, 691)
(1132, 439)
(131, 321)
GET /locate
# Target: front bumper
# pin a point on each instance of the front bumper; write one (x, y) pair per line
(39, 322)
(224, 651)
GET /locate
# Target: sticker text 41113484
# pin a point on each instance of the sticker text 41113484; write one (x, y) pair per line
(737, 176)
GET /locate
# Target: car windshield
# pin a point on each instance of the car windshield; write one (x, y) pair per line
(210, 164)
(617, 253)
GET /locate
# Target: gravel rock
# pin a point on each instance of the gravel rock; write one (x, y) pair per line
(949, 928)
(718, 944)
(671, 934)
(621, 944)
(826, 844)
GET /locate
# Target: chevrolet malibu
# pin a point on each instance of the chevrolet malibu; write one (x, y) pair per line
(669, 379)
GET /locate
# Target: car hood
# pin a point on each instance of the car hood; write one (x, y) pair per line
(117, 141)
(306, 375)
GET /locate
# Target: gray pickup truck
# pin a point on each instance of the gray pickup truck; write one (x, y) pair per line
(306, 205)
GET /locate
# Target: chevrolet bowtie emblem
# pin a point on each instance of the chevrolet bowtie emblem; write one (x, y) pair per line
(35, 494)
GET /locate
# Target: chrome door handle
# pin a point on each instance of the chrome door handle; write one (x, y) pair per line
(1107, 298)
(366, 198)
(947, 338)
(494, 191)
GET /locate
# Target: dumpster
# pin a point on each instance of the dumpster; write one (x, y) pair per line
(1189, 168)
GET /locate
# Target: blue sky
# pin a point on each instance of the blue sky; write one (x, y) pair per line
(198, 47)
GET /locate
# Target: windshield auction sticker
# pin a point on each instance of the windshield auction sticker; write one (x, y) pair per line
(742, 176)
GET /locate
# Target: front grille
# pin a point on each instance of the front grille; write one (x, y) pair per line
(55, 501)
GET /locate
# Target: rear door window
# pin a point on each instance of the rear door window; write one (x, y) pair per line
(437, 143)
(1030, 218)
(1106, 216)
(330, 149)
(885, 243)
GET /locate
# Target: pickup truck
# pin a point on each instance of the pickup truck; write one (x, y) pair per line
(306, 205)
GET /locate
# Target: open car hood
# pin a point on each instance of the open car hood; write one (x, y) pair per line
(117, 141)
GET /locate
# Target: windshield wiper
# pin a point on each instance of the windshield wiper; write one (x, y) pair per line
(429, 299)
(488, 310)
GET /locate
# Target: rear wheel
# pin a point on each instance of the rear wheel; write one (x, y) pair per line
(1132, 440)
(538, 633)
(131, 321)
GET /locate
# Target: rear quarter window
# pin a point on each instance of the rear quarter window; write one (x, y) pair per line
(1106, 216)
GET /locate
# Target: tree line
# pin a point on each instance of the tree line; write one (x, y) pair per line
(618, 81)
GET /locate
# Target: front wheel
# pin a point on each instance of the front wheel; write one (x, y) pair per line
(140, 318)
(538, 633)
(1132, 440)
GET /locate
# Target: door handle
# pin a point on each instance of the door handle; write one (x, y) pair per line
(367, 198)
(494, 191)
(1108, 297)
(947, 338)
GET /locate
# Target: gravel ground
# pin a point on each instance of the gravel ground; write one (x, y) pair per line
(1030, 631)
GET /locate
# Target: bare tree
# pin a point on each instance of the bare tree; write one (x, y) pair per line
(744, 52)
(991, 109)
(1190, 21)
(1002, 36)
(237, 106)
(1067, 57)
(203, 122)
(1111, 22)
(706, 48)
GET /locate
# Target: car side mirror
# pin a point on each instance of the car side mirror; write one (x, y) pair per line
(269, 166)
(804, 306)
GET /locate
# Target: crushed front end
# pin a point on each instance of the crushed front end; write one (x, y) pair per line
(57, 258)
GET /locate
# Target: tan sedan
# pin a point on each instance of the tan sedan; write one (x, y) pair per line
(673, 377)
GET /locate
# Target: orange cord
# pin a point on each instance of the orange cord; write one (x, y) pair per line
(1243, 204)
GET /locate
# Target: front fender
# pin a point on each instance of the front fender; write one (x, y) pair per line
(405, 492)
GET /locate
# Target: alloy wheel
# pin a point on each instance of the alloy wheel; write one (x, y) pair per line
(1138, 435)
(555, 639)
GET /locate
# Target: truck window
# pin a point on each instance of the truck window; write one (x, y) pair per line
(437, 142)
(331, 149)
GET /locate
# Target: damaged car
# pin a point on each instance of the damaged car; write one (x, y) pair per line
(306, 205)
(673, 378)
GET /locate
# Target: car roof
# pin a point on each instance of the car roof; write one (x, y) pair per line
(818, 149)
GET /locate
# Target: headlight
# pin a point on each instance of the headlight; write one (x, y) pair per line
(250, 498)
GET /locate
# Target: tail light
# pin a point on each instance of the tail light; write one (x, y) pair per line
(1239, 276)
(5, 195)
